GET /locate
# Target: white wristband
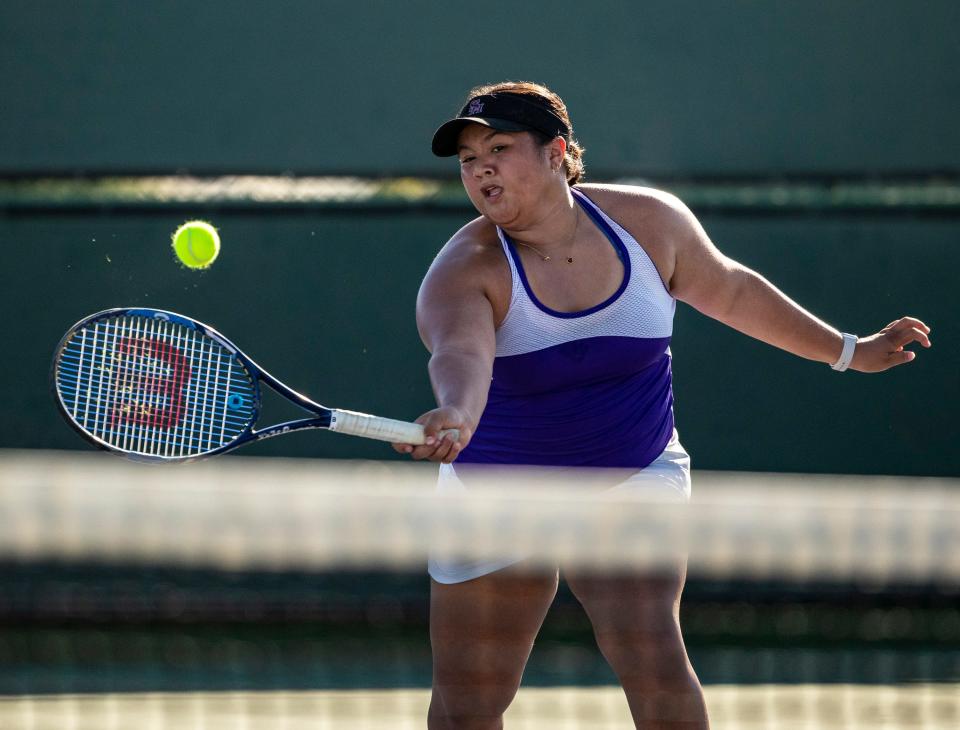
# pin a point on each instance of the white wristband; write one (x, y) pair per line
(846, 355)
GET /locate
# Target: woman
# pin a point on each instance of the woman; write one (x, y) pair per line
(548, 319)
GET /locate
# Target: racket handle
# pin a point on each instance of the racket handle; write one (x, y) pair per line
(382, 429)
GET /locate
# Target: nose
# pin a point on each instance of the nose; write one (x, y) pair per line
(483, 167)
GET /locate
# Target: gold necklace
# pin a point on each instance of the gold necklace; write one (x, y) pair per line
(543, 256)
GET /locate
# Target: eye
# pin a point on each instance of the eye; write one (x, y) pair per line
(466, 159)
(499, 148)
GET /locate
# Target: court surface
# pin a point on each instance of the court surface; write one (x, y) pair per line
(825, 707)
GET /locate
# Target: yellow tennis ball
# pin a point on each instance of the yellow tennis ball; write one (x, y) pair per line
(196, 244)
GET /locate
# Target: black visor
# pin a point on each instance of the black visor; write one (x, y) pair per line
(504, 111)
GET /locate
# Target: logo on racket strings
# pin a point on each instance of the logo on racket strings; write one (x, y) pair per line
(149, 378)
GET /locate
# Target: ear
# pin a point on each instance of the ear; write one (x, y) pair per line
(556, 151)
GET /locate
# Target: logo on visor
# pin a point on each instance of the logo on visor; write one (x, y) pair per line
(476, 107)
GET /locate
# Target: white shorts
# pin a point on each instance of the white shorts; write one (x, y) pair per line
(667, 476)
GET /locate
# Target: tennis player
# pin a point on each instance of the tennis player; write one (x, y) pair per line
(548, 319)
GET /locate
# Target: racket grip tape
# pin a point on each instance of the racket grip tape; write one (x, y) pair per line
(381, 429)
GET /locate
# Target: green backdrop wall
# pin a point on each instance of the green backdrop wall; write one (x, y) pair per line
(325, 299)
(659, 87)
(323, 295)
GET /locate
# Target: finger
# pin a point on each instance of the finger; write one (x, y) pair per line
(423, 452)
(907, 322)
(436, 429)
(914, 322)
(452, 433)
(901, 337)
(431, 431)
(443, 450)
(449, 449)
(434, 448)
(443, 453)
(900, 358)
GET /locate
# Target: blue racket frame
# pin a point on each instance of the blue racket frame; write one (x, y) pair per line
(321, 421)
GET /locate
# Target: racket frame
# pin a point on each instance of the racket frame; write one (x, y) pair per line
(325, 418)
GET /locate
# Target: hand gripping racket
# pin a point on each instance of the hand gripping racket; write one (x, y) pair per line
(159, 386)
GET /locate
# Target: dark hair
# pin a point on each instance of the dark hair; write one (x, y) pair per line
(573, 159)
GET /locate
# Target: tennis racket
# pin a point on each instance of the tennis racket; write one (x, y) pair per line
(158, 386)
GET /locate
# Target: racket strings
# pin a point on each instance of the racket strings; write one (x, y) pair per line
(154, 387)
(197, 430)
(161, 373)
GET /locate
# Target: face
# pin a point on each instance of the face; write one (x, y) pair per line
(506, 174)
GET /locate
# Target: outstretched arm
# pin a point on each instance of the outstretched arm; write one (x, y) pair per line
(456, 323)
(733, 294)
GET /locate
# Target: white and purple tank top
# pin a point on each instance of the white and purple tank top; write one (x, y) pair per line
(588, 388)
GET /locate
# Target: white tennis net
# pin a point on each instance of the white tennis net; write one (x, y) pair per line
(264, 593)
(240, 512)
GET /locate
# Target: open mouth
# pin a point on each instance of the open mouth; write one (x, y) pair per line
(492, 192)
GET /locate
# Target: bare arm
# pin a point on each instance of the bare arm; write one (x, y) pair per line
(733, 294)
(456, 322)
